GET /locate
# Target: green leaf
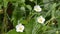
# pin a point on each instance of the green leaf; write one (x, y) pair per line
(53, 9)
(21, 1)
(57, 13)
(29, 27)
(31, 0)
(24, 21)
(36, 28)
(22, 8)
(29, 7)
(13, 31)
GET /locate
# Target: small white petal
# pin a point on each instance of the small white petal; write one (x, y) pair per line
(40, 19)
(37, 8)
(19, 28)
(21, 31)
(18, 25)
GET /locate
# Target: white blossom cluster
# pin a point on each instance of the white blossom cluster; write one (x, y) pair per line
(40, 19)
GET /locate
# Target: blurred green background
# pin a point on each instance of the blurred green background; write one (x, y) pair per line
(13, 10)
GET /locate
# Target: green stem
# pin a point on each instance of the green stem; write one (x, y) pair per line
(49, 20)
(52, 13)
(4, 24)
(30, 15)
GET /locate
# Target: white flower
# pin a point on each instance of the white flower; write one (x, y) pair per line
(19, 28)
(37, 8)
(40, 19)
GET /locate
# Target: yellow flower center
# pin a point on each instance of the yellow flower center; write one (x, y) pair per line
(40, 20)
(20, 28)
(37, 9)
